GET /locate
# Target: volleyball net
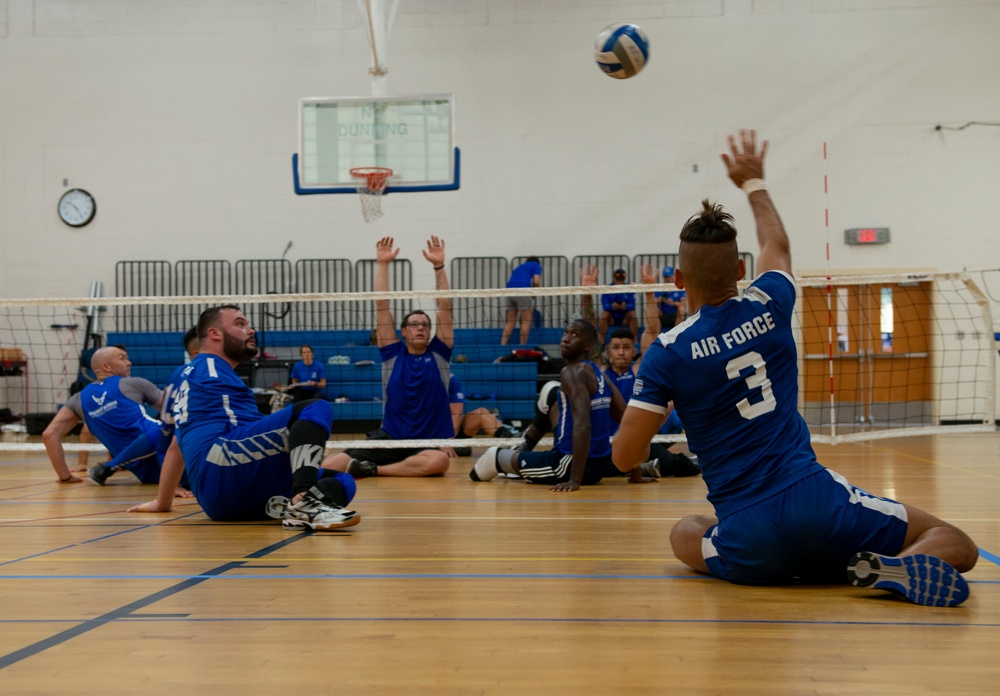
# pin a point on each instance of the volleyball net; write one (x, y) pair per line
(879, 356)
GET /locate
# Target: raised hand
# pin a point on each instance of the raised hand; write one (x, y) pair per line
(648, 274)
(589, 274)
(384, 252)
(435, 251)
(745, 162)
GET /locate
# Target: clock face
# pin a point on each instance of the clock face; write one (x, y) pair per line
(77, 208)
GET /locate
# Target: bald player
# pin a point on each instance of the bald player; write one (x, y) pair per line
(112, 408)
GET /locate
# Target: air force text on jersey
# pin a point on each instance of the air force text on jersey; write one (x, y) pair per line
(760, 324)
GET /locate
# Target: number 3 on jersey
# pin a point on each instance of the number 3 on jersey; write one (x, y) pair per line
(757, 378)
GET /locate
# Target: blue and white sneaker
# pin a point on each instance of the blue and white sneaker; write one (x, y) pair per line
(920, 578)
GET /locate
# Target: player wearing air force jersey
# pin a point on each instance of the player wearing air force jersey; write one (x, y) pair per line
(730, 370)
(743, 354)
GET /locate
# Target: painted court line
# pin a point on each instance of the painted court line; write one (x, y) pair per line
(128, 609)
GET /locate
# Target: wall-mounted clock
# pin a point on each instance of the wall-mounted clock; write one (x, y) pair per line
(77, 208)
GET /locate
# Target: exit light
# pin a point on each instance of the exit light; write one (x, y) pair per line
(867, 235)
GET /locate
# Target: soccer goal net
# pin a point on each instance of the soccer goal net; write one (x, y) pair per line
(879, 356)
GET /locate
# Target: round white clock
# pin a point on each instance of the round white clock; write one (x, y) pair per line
(77, 208)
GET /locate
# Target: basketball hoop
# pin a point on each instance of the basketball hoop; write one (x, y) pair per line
(371, 185)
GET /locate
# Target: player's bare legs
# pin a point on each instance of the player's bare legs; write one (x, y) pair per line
(686, 539)
(927, 534)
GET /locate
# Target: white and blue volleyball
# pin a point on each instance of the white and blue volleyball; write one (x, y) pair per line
(621, 50)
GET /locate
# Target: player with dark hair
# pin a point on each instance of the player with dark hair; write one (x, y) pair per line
(112, 408)
(525, 275)
(588, 403)
(618, 307)
(415, 376)
(673, 308)
(244, 465)
(621, 371)
(308, 378)
(731, 370)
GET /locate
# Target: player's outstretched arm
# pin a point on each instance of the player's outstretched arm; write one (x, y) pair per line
(577, 384)
(443, 320)
(170, 478)
(54, 432)
(745, 166)
(651, 320)
(385, 327)
(588, 278)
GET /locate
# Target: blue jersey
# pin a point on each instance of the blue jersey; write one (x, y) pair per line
(415, 391)
(456, 395)
(732, 374)
(600, 419)
(115, 418)
(675, 295)
(308, 373)
(624, 383)
(211, 401)
(522, 276)
(627, 297)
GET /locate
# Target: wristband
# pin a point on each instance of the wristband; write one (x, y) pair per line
(438, 268)
(751, 185)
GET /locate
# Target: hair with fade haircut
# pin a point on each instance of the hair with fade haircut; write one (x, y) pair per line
(210, 318)
(708, 246)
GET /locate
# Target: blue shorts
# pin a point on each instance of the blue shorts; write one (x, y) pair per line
(552, 467)
(807, 532)
(250, 464)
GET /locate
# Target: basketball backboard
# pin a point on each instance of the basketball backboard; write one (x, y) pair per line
(412, 135)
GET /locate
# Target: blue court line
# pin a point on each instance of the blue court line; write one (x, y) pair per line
(180, 618)
(122, 612)
(992, 558)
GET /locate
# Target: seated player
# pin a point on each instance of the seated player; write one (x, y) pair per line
(780, 516)
(308, 379)
(671, 303)
(621, 371)
(415, 376)
(158, 439)
(588, 404)
(242, 464)
(112, 408)
(619, 308)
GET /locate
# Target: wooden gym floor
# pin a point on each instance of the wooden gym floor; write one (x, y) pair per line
(451, 587)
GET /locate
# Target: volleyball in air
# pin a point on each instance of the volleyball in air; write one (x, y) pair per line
(621, 50)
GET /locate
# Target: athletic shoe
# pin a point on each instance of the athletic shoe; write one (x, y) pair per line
(100, 473)
(359, 469)
(920, 578)
(310, 512)
(485, 468)
(504, 431)
(650, 469)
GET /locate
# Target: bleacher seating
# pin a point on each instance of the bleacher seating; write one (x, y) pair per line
(355, 386)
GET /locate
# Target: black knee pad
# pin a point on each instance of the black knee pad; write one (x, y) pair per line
(329, 489)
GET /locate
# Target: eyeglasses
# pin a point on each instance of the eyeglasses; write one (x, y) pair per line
(418, 324)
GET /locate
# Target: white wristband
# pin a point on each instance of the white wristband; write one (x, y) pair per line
(751, 185)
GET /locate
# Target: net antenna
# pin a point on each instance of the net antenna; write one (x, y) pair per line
(378, 22)
(372, 182)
